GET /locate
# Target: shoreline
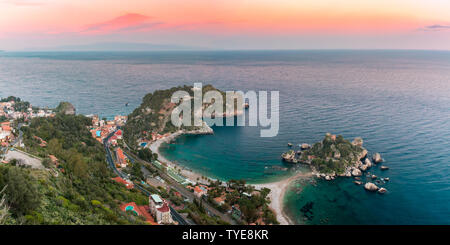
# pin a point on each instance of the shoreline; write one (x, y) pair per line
(189, 174)
(277, 189)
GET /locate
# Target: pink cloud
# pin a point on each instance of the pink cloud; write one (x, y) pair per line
(125, 23)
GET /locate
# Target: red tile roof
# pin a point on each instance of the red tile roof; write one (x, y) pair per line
(120, 155)
(164, 208)
(122, 181)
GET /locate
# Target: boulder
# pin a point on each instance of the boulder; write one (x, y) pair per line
(384, 167)
(377, 158)
(370, 186)
(357, 182)
(289, 157)
(363, 154)
(327, 178)
(363, 167)
(290, 144)
(304, 146)
(358, 141)
(386, 179)
(357, 178)
(368, 163)
(348, 174)
(373, 176)
(382, 190)
(356, 172)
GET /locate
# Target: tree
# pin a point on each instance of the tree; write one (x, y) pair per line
(46, 162)
(22, 192)
(76, 164)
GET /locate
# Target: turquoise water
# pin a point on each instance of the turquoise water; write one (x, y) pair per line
(398, 101)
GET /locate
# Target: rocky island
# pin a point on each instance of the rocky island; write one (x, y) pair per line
(152, 117)
(335, 156)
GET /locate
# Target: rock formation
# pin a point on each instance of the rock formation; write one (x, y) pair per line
(370, 186)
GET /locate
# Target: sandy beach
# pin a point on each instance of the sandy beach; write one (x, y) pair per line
(276, 195)
(191, 175)
(278, 188)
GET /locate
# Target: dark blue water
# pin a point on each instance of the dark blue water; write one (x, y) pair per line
(398, 101)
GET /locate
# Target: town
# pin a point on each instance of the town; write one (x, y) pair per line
(171, 197)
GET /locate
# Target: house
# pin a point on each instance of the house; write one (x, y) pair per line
(54, 160)
(118, 134)
(199, 191)
(160, 209)
(5, 132)
(128, 184)
(219, 200)
(113, 140)
(120, 120)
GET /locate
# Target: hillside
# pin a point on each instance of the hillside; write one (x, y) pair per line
(153, 115)
(76, 188)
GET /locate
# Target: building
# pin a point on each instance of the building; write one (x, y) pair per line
(220, 200)
(120, 120)
(160, 209)
(5, 132)
(121, 161)
(128, 184)
(118, 134)
(200, 190)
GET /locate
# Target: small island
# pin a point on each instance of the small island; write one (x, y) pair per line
(335, 156)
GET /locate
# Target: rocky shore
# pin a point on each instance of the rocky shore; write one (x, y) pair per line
(336, 157)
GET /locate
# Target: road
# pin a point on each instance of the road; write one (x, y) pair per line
(175, 215)
(185, 192)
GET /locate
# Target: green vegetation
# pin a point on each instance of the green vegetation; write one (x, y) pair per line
(253, 205)
(147, 155)
(198, 214)
(153, 115)
(79, 191)
(19, 105)
(332, 154)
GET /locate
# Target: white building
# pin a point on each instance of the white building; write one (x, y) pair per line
(160, 209)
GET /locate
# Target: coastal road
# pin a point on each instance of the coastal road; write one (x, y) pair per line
(175, 215)
(185, 192)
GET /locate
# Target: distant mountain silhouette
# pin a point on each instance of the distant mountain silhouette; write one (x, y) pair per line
(116, 46)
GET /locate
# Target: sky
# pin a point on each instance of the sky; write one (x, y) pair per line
(227, 24)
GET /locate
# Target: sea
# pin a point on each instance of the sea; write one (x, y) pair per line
(398, 101)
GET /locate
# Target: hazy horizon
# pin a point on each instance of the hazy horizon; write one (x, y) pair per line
(229, 25)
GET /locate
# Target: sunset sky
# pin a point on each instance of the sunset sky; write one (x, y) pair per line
(227, 24)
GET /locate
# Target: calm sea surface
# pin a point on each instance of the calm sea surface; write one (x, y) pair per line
(398, 101)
